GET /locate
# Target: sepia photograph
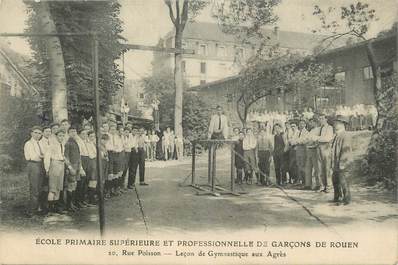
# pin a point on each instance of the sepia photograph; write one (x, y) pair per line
(198, 131)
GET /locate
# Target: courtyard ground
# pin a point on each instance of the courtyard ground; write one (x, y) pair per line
(169, 206)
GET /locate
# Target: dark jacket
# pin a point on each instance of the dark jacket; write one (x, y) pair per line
(239, 162)
(72, 153)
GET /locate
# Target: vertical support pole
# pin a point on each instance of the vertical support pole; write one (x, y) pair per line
(232, 168)
(214, 163)
(101, 210)
(209, 164)
(193, 161)
(213, 166)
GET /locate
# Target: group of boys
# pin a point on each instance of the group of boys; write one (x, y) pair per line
(61, 164)
(304, 151)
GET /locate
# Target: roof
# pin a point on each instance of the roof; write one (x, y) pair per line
(326, 53)
(286, 39)
(16, 62)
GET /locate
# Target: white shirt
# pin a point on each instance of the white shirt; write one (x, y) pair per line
(249, 142)
(326, 134)
(55, 152)
(91, 149)
(82, 146)
(32, 151)
(133, 141)
(219, 124)
(154, 138)
(45, 144)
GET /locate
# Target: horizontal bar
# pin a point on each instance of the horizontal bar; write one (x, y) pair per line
(158, 49)
(215, 141)
(45, 34)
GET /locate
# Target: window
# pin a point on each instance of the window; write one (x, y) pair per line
(230, 97)
(367, 73)
(141, 95)
(221, 51)
(183, 66)
(202, 49)
(202, 82)
(184, 45)
(339, 77)
(202, 68)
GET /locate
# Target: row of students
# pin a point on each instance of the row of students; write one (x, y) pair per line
(312, 154)
(61, 164)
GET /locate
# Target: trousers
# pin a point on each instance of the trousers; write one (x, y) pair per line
(323, 155)
(311, 167)
(300, 160)
(341, 186)
(36, 176)
(264, 157)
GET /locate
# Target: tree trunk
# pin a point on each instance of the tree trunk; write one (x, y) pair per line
(178, 85)
(376, 85)
(56, 64)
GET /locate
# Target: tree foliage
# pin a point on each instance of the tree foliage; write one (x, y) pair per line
(80, 16)
(281, 75)
(246, 19)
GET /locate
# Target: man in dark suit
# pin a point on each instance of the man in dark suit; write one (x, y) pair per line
(341, 154)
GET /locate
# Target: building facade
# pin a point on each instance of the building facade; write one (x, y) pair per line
(13, 81)
(352, 69)
(219, 55)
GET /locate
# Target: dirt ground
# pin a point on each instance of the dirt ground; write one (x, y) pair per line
(169, 206)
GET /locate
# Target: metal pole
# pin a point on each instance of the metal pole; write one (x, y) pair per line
(193, 162)
(101, 210)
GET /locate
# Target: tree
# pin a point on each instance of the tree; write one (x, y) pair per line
(279, 76)
(195, 111)
(56, 79)
(80, 16)
(180, 12)
(354, 20)
(246, 19)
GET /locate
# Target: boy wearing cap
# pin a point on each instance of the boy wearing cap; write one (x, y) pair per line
(34, 155)
(341, 152)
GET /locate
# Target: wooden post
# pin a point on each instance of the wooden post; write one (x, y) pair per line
(232, 168)
(209, 164)
(101, 210)
(193, 162)
(213, 166)
(214, 163)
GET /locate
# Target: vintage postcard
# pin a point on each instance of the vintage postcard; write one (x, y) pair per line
(198, 131)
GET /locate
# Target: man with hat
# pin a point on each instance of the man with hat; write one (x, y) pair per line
(341, 152)
(34, 157)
